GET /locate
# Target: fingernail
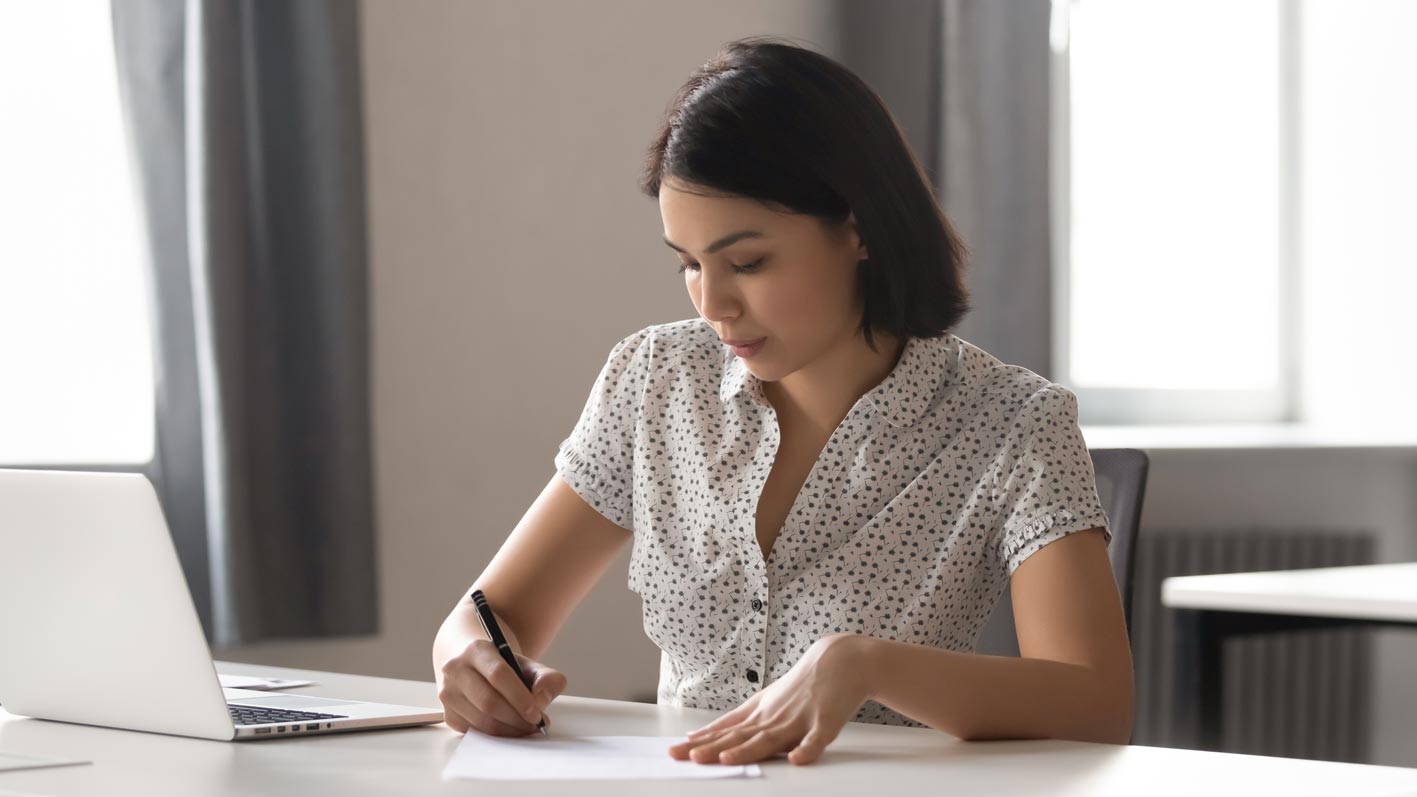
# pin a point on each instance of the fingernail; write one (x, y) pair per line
(532, 715)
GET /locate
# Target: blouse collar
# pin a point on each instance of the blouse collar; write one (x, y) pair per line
(903, 397)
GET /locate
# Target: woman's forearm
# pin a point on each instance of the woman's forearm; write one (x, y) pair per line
(974, 696)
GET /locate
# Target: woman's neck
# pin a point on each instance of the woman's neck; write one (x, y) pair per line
(815, 398)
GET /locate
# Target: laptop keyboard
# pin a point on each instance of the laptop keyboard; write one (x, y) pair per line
(260, 715)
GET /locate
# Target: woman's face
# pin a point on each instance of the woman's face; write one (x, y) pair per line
(754, 272)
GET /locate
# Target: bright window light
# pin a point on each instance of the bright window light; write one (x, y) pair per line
(75, 350)
(1174, 265)
(1234, 203)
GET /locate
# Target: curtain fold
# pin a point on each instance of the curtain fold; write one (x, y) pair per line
(969, 81)
(244, 122)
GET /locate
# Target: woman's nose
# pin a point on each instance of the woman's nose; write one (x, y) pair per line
(717, 296)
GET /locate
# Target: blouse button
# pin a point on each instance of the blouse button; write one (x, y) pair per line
(757, 605)
(753, 676)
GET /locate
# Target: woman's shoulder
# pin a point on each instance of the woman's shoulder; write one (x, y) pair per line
(685, 348)
(687, 339)
(689, 334)
(1011, 388)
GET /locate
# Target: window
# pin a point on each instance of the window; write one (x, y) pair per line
(74, 340)
(1230, 182)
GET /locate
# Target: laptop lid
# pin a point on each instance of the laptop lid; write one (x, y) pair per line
(96, 621)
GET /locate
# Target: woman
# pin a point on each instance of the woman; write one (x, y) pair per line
(826, 491)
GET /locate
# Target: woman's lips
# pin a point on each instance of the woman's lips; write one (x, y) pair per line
(750, 349)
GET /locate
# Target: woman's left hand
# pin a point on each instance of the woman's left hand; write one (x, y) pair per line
(798, 714)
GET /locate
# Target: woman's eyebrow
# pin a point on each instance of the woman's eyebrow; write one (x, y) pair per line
(726, 240)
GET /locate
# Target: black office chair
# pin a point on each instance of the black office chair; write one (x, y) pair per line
(1121, 485)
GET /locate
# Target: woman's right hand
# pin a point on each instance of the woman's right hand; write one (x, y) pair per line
(479, 690)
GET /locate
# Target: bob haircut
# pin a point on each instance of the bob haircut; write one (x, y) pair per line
(768, 120)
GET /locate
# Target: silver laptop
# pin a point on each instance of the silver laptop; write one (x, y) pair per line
(97, 626)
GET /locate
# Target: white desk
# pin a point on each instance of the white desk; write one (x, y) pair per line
(1218, 607)
(1385, 593)
(864, 759)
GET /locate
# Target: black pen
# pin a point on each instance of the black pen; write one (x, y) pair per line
(494, 632)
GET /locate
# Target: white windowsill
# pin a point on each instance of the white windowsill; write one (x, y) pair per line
(1262, 436)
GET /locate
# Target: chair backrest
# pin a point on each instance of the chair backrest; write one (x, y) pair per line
(1121, 485)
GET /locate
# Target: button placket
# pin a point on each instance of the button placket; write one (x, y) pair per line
(759, 606)
(755, 666)
(755, 621)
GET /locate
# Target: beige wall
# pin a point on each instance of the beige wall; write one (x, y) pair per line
(511, 249)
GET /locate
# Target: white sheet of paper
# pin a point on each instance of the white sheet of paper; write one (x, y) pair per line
(9, 761)
(257, 682)
(483, 757)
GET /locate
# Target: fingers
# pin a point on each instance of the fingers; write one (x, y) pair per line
(493, 727)
(744, 744)
(811, 747)
(708, 752)
(733, 717)
(461, 715)
(763, 744)
(546, 683)
(507, 692)
(707, 736)
(485, 697)
(483, 690)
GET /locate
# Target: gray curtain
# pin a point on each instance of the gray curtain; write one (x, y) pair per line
(245, 128)
(968, 80)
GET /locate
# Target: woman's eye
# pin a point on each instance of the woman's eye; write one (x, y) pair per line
(745, 269)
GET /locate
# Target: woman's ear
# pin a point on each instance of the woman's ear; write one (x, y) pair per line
(855, 232)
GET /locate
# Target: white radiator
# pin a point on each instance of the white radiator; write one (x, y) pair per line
(1302, 694)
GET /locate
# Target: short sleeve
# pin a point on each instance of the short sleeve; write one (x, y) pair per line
(597, 459)
(1047, 489)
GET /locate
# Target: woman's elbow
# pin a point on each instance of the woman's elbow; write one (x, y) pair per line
(1112, 722)
(1103, 727)
(1108, 718)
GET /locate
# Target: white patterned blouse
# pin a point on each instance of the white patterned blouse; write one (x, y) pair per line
(939, 482)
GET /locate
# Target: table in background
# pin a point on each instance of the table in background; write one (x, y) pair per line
(864, 759)
(1212, 609)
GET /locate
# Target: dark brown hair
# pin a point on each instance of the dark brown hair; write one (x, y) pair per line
(766, 119)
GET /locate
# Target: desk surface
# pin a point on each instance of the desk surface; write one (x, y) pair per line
(410, 761)
(1364, 592)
